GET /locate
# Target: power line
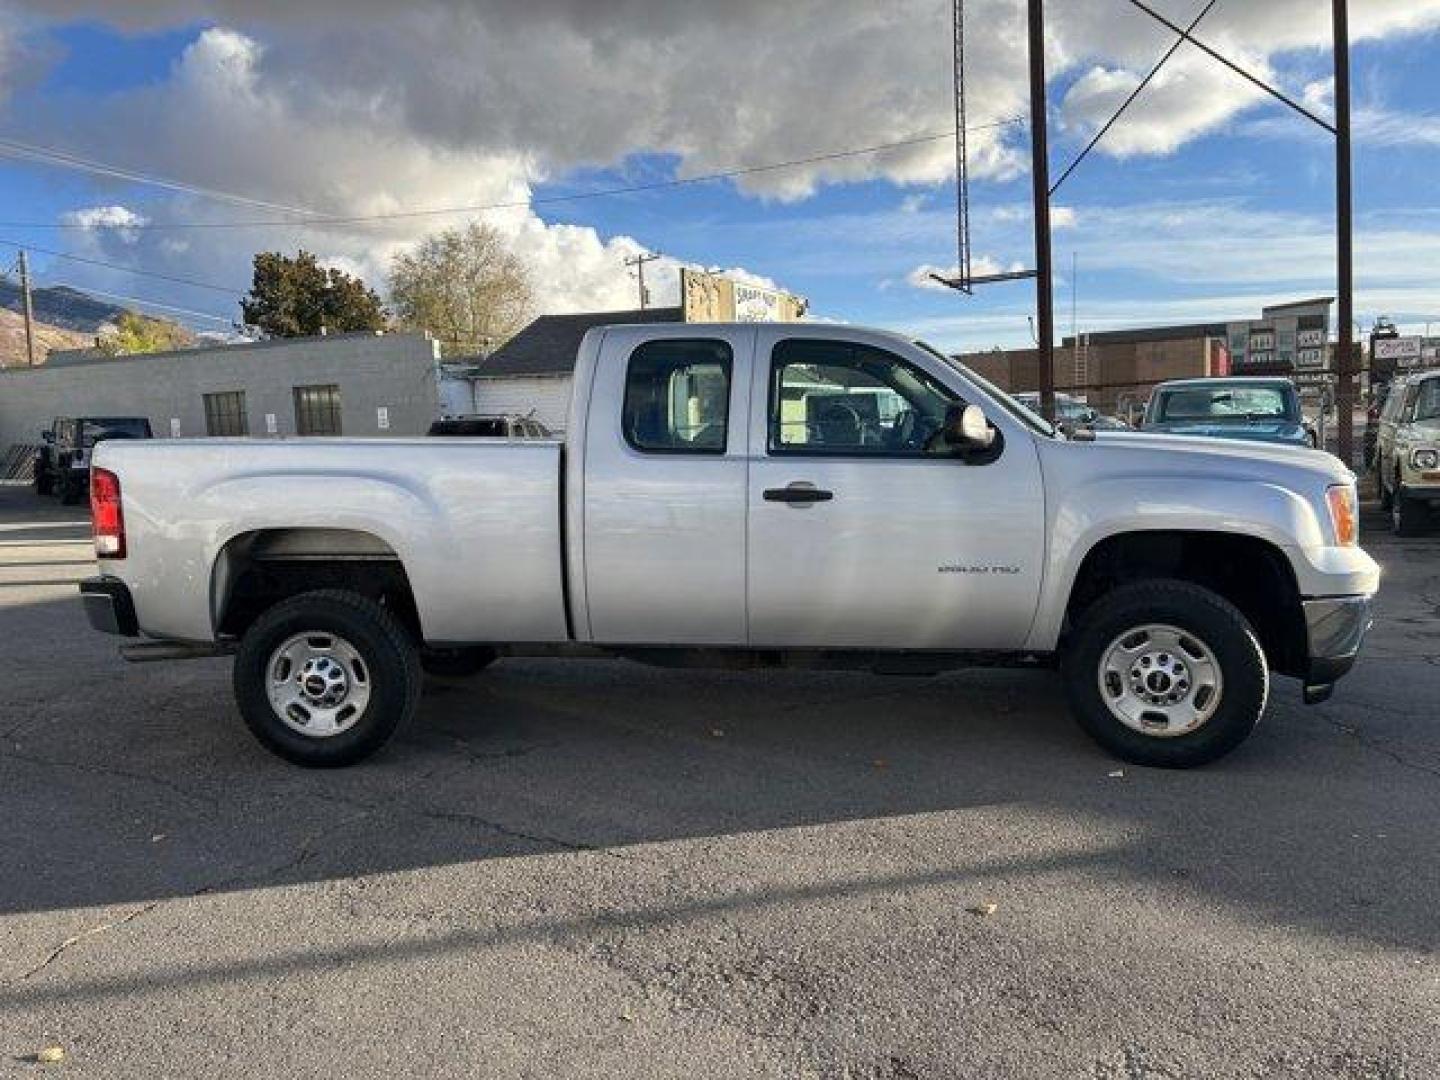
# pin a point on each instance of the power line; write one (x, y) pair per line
(63, 159)
(546, 200)
(1236, 68)
(1174, 47)
(191, 282)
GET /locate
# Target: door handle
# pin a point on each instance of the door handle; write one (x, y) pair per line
(798, 494)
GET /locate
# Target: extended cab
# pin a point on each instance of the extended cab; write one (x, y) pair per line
(760, 495)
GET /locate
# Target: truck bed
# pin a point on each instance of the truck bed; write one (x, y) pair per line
(475, 522)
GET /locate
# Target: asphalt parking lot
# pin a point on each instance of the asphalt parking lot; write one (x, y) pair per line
(603, 870)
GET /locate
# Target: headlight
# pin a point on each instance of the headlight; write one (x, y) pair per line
(1344, 513)
(1425, 459)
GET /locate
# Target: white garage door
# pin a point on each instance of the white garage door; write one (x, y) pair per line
(548, 397)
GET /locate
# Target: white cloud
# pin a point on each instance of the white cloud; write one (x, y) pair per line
(353, 107)
(923, 277)
(553, 83)
(120, 220)
(241, 130)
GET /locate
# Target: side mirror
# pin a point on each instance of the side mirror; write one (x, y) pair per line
(967, 429)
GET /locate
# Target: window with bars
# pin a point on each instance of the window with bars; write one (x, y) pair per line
(225, 413)
(317, 410)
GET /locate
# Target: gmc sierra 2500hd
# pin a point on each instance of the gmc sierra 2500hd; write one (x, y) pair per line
(761, 495)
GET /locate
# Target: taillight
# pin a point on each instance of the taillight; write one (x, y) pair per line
(106, 515)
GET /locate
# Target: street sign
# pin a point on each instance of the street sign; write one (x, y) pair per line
(1398, 349)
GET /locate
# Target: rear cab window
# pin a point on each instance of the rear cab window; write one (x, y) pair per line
(677, 397)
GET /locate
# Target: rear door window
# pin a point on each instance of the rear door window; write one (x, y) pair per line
(677, 397)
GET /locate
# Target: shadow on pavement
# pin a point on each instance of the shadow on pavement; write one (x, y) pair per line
(127, 785)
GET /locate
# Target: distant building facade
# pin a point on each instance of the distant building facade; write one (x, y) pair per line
(353, 384)
(1115, 370)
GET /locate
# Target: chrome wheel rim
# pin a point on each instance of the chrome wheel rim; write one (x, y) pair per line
(318, 684)
(1160, 680)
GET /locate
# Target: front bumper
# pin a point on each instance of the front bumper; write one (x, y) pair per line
(109, 607)
(1422, 492)
(1335, 627)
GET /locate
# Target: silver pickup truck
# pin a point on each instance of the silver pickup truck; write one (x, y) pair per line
(743, 495)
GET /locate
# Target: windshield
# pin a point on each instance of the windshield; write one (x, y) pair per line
(1223, 403)
(1033, 420)
(1066, 407)
(130, 427)
(1427, 400)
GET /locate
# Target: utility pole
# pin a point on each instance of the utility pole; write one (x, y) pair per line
(29, 307)
(1040, 179)
(1345, 388)
(639, 261)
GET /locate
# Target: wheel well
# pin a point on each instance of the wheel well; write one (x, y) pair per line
(257, 570)
(1252, 574)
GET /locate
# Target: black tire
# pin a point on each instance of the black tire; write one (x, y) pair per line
(1214, 621)
(1387, 498)
(42, 483)
(458, 663)
(1408, 517)
(391, 667)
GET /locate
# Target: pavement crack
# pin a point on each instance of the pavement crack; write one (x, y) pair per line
(107, 770)
(1377, 747)
(84, 935)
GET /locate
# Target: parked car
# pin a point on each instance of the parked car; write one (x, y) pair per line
(1407, 451)
(1074, 412)
(1256, 409)
(701, 511)
(62, 467)
(490, 427)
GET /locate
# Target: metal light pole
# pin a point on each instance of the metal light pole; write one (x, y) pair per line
(1040, 179)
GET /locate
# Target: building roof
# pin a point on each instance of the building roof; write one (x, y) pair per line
(1316, 301)
(69, 358)
(1185, 332)
(549, 344)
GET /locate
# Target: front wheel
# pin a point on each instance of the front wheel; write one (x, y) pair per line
(325, 678)
(1166, 673)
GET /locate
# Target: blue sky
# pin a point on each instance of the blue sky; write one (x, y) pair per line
(1237, 214)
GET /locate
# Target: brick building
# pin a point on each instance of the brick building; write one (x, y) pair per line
(1115, 370)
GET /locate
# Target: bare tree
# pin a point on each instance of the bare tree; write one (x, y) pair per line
(465, 287)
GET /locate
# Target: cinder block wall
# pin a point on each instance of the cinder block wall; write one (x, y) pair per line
(396, 372)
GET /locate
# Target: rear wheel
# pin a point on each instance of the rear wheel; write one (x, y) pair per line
(1408, 516)
(325, 678)
(1166, 673)
(42, 482)
(1386, 498)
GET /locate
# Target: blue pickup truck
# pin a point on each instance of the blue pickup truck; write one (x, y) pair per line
(1261, 410)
